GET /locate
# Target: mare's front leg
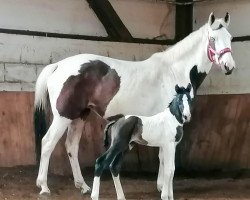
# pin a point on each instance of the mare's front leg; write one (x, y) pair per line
(168, 153)
(161, 170)
(115, 169)
(72, 146)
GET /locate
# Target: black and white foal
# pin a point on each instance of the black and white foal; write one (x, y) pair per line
(164, 129)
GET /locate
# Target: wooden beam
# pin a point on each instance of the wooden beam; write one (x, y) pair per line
(183, 20)
(183, 27)
(83, 37)
(110, 20)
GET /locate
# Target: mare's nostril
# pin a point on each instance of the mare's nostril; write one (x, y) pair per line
(226, 67)
(185, 117)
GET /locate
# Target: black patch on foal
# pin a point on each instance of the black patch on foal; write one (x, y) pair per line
(115, 117)
(94, 86)
(124, 130)
(121, 132)
(112, 120)
(107, 134)
(196, 78)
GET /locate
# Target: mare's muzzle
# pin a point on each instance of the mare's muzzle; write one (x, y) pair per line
(228, 71)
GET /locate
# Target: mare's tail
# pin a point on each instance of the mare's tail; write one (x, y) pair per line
(41, 98)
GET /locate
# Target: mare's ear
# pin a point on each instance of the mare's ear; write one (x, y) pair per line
(189, 87)
(227, 19)
(211, 19)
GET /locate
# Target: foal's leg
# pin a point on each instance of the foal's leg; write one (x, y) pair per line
(168, 152)
(72, 146)
(101, 164)
(49, 142)
(170, 186)
(161, 170)
(115, 169)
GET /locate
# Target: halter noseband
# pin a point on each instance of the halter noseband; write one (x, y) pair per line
(213, 55)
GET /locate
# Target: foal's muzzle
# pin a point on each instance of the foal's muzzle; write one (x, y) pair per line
(187, 118)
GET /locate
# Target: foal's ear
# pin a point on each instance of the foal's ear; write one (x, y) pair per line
(189, 87)
(211, 19)
(227, 19)
(177, 88)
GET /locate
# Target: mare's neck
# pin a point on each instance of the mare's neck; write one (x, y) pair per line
(188, 60)
(196, 78)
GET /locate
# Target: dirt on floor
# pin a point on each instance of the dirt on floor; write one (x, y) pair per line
(19, 184)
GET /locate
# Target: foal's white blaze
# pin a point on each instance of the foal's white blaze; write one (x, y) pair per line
(186, 111)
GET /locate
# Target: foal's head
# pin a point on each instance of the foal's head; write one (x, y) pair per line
(181, 105)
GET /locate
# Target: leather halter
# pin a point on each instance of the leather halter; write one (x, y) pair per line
(213, 55)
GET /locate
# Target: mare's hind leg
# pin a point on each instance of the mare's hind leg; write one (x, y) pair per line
(72, 146)
(49, 142)
(115, 169)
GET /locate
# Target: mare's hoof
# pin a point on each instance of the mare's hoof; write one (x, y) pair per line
(159, 188)
(86, 191)
(45, 192)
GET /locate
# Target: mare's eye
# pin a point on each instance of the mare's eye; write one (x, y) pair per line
(212, 39)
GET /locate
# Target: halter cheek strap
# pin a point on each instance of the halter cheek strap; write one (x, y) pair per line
(213, 55)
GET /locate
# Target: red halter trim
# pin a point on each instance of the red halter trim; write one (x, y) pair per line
(212, 54)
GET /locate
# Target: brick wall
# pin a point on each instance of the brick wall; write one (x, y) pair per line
(18, 77)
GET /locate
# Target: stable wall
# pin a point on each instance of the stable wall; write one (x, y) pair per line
(220, 119)
(23, 57)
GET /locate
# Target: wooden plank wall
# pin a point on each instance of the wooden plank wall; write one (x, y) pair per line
(217, 138)
(219, 135)
(16, 125)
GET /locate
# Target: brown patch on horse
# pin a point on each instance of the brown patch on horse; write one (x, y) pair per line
(94, 86)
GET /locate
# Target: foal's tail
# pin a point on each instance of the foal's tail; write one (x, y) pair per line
(41, 97)
(107, 132)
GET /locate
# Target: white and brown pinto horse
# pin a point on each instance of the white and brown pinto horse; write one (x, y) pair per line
(111, 86)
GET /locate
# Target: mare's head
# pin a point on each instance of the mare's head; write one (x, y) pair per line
(180, 107)
(219, 43)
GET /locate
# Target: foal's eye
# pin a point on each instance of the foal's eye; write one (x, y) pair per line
(181, 107)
